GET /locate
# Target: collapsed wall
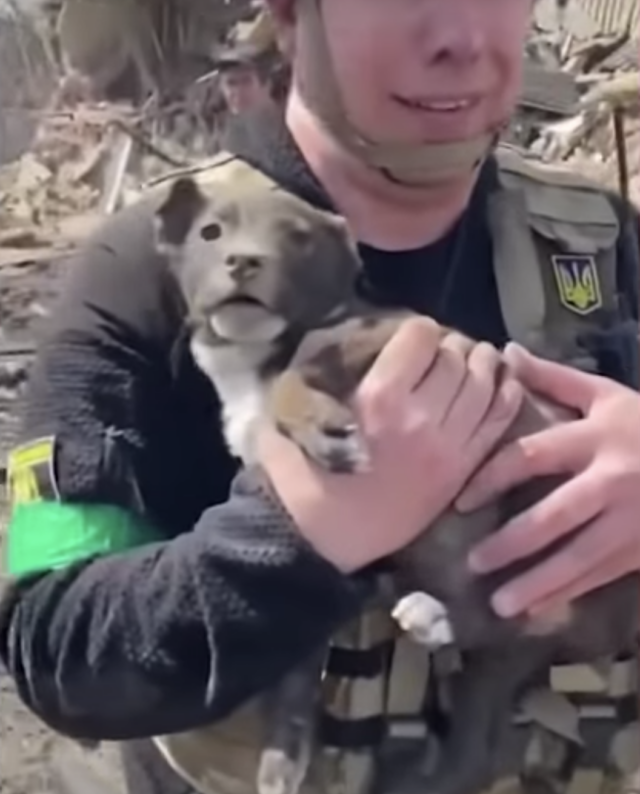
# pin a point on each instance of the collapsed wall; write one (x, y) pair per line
(27, 77)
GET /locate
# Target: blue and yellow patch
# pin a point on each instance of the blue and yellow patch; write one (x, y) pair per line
(31, 475)
(578, 283)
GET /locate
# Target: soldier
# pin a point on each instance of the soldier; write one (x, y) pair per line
(244, 78)
(153, 593)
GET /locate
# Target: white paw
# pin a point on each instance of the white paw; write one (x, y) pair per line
(279, 774)
(425, 619)
(341, 450)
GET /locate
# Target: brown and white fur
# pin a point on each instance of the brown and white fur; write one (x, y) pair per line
(276, 324)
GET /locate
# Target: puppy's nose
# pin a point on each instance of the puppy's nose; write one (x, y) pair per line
(242, 267)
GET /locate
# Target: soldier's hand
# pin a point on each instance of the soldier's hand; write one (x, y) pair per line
(430, 411)
(601, 453)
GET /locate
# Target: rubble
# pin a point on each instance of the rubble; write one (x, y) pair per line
(88, 153)
(586, 139)
(595, 45)
(67, 169)
(27, 76)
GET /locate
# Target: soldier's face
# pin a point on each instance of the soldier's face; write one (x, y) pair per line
(424, 70)
(242, 89)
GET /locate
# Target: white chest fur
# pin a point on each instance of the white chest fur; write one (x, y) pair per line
(233, 373)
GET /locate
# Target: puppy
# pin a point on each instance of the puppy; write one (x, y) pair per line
(276, 324)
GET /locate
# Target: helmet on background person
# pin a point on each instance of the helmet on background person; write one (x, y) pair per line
(244, 73)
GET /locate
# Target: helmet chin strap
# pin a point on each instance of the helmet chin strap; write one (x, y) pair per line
(413, 165)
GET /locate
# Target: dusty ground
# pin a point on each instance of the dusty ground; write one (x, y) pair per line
(36, 761)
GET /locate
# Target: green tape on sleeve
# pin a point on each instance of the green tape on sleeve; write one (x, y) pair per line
(46, 535)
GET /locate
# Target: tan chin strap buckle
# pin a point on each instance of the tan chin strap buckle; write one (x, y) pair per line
(433, 163)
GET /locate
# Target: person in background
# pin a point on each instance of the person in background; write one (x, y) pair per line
(245, 80)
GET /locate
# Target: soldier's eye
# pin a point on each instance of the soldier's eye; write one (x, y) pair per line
(211, 232)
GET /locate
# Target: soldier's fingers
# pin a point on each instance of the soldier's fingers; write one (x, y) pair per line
(580, 560)
(608, 570)
(556, 450)
(502, 412)
(557, 382)
(404, 360)
(569, 506)
(445, 379)
(476, 394)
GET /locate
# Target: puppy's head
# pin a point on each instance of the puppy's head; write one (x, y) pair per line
(255, 263)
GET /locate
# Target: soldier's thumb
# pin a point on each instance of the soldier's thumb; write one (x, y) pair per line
(556, 382)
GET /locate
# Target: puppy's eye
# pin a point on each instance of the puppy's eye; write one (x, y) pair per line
(211, 232)
(301, 237)
(297, 233)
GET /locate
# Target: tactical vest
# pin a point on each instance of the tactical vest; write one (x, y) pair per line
(554, 238)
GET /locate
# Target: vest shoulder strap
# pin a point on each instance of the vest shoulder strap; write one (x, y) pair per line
(520, 162)
(561, 196)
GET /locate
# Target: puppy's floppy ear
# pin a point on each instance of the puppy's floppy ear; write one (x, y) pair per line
(341, 233)
(175, 216)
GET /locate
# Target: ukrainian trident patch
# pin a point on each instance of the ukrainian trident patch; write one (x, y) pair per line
(577, 282)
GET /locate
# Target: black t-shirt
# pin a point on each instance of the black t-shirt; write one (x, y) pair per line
(451, 280)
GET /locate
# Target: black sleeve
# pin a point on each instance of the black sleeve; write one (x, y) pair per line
(172, 636)
(167, 636)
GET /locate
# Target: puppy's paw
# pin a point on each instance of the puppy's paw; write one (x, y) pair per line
(339, 448)
(279, 774)
(329, 435)
(324, 428)
(425, 619)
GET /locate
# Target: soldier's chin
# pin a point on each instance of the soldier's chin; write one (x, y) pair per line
(245, 322)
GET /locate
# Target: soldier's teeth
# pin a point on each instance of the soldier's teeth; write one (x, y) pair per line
(443, 106)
